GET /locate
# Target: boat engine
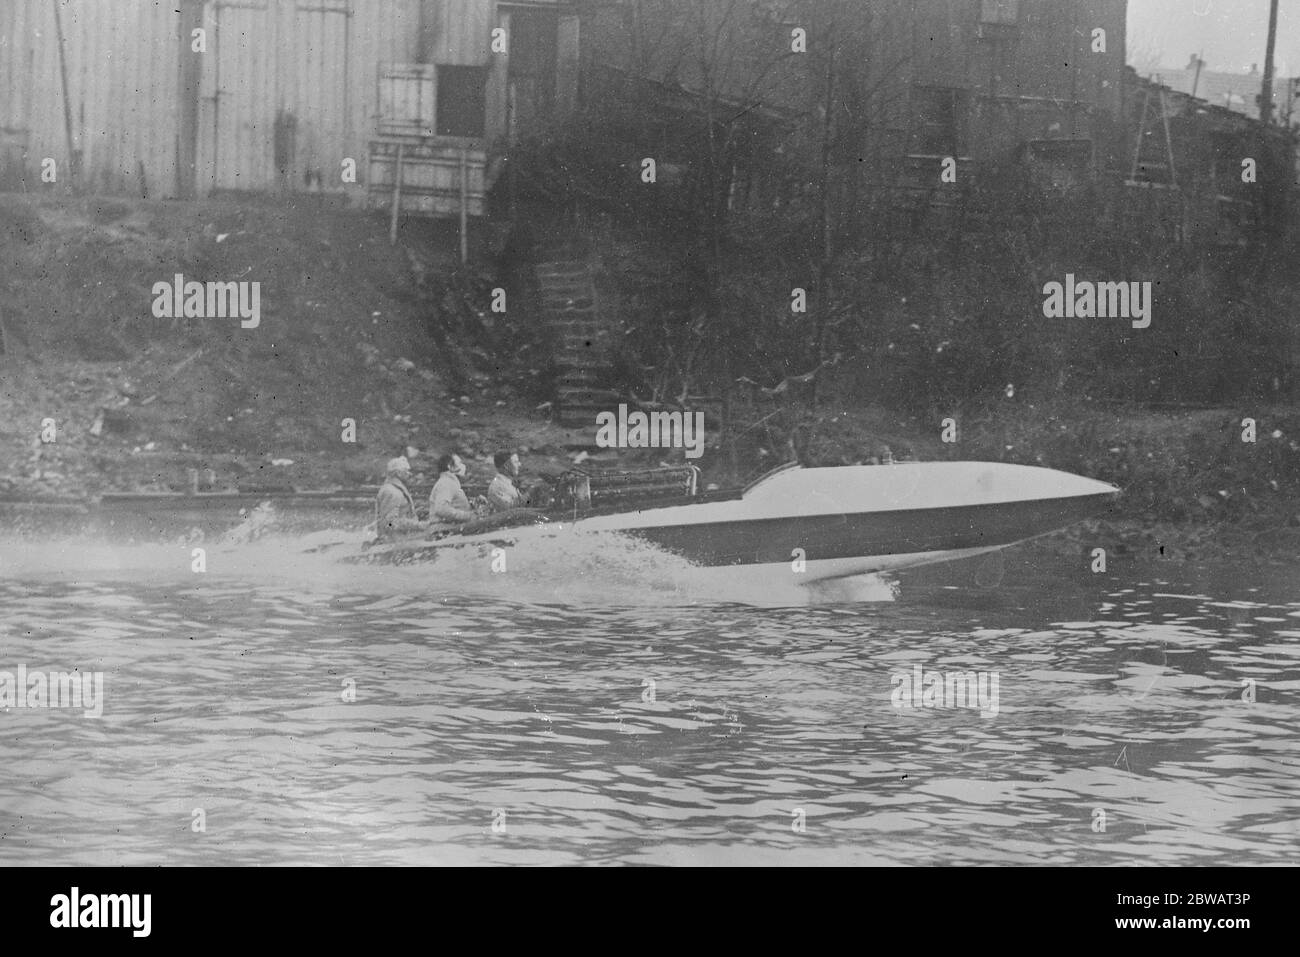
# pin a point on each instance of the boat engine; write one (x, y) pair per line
(582, 490)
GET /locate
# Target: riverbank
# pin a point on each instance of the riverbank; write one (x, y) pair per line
(364, 350)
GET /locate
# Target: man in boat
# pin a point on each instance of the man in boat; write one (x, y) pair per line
(447, 501)
(394, 507)
(502, 494)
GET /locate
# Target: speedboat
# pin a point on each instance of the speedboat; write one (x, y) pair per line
(818, 523)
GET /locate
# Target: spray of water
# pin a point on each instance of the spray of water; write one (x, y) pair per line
(569, 566)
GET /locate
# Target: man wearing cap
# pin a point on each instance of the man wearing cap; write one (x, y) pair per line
(394, 507)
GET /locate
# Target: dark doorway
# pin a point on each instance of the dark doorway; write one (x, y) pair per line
(531, 77)
(462, 100)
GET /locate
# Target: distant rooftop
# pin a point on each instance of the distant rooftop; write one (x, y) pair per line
(1237, 91)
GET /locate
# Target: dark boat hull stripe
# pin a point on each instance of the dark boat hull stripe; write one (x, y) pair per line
(771, 540)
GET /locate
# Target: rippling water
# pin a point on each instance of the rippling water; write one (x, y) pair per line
(592, 707)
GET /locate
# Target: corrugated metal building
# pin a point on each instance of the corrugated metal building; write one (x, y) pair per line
(282, 93)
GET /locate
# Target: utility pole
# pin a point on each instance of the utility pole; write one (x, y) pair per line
(1266, 94)
(1271, 197)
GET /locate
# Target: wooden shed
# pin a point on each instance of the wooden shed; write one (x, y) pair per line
(181, 97)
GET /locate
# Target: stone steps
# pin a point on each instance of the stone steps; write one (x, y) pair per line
(583, 340)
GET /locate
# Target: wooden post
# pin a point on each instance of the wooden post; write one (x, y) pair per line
(188, 92)
(464, 205)
(512, 181)
(397, 196)
(67, 102)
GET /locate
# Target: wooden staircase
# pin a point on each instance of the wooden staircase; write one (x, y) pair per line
(584, 342)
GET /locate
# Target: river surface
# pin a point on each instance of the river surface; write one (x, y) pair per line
(282, 707)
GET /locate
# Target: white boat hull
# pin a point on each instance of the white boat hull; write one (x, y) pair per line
(830, 523)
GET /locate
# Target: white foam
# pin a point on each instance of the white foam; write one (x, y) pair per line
(576, 567)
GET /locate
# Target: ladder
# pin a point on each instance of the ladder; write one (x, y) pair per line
(1150, 165)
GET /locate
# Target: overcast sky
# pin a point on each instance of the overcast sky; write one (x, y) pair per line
(1230, 34)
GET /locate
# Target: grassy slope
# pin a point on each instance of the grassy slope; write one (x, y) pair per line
(347, 331)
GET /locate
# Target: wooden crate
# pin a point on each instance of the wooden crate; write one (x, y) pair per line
(431, 174)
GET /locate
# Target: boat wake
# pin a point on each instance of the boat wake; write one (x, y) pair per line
(577, 568)
(796, 537)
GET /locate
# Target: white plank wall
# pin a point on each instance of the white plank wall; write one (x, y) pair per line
(462, 32)
(121, 64)
(317, 60)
